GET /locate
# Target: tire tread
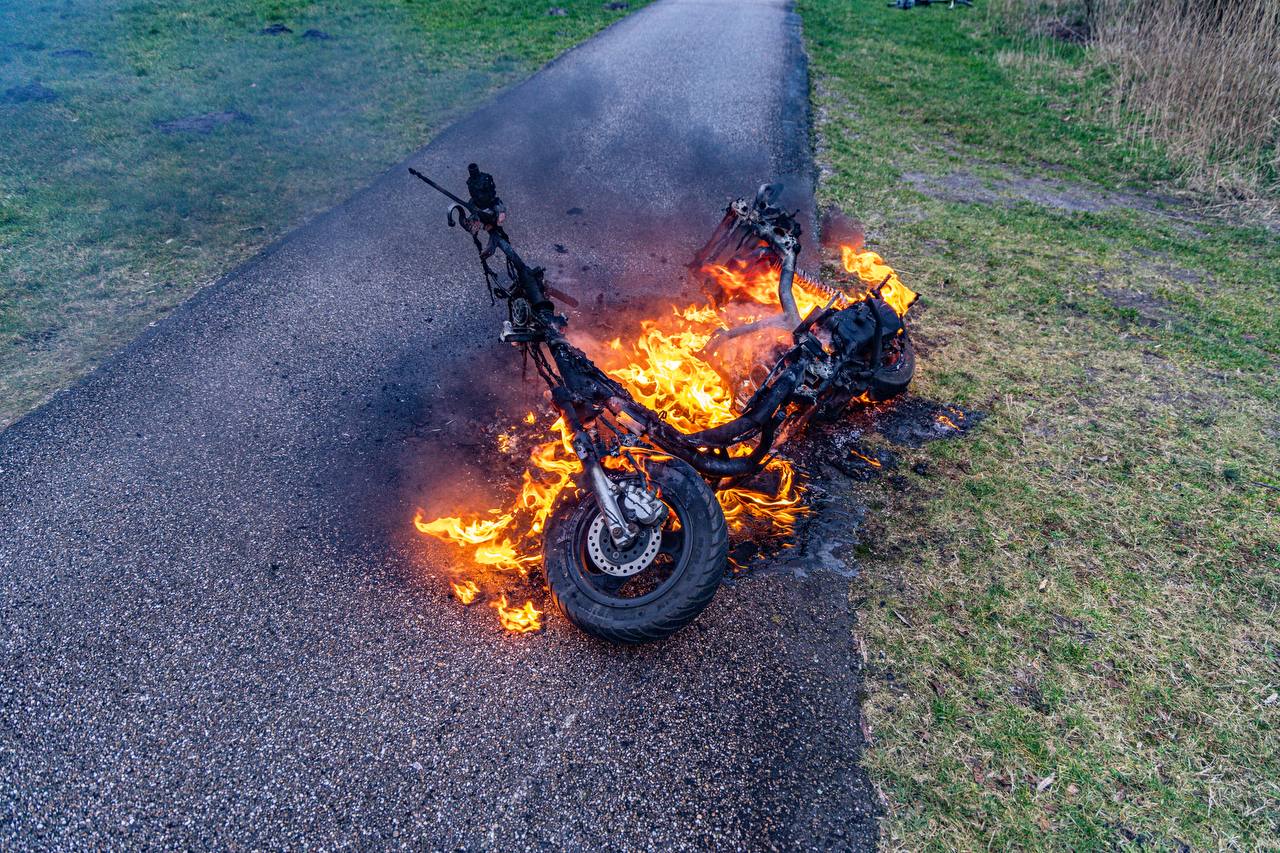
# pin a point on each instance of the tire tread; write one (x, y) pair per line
(587, 615)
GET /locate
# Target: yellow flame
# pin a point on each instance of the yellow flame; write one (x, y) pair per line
(782, 508)
(521, 619)
(947, 422)
(871, 270)
(466, 591)
(663, 369)
(456, 530)
(666, 374)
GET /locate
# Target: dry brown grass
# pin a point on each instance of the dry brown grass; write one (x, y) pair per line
(1199, 77)
(1203, 79)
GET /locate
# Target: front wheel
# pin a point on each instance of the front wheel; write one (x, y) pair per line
(656, 586)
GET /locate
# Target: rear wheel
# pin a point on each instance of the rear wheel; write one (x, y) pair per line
(652, 588)
(891, 378)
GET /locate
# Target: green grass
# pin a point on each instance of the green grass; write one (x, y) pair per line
(1091, 580)
(107, 221)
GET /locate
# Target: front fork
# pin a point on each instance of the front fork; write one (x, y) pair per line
(621, 531)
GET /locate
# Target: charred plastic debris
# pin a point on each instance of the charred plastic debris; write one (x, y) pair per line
(870, 443)
(842, 465)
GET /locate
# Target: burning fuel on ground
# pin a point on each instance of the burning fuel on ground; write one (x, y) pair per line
(666, 367)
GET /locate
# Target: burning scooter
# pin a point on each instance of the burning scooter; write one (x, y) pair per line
(636, 548)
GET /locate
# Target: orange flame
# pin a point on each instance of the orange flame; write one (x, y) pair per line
(759, 283)
(871, 270)
(666, 374)
(521, 619)
(874, 463)
(783, 509)
(663, 369)
(466, 591)
(455, 529)
(947, 422)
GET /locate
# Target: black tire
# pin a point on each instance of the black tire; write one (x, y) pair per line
(890, 381)
(685, 573)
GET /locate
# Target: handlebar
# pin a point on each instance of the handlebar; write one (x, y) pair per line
(475, 211)
(528, 278)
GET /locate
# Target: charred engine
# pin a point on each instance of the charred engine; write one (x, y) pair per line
(865, 342)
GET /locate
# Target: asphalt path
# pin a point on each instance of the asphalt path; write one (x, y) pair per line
(219, 629)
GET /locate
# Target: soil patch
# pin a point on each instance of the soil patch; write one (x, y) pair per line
(1151, 310)
(29, 93)
(1071, 33)
(968, 188)
(203, 124)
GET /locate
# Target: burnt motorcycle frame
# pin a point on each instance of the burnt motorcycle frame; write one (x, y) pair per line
(836, 355)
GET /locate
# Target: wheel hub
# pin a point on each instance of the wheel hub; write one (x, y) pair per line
(621, 562)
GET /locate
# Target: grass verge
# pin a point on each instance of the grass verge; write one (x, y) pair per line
(149, 147)
(1071, 616)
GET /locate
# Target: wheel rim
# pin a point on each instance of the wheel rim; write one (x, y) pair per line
(644, 585)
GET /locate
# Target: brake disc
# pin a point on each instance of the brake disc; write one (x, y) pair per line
(622, 562)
